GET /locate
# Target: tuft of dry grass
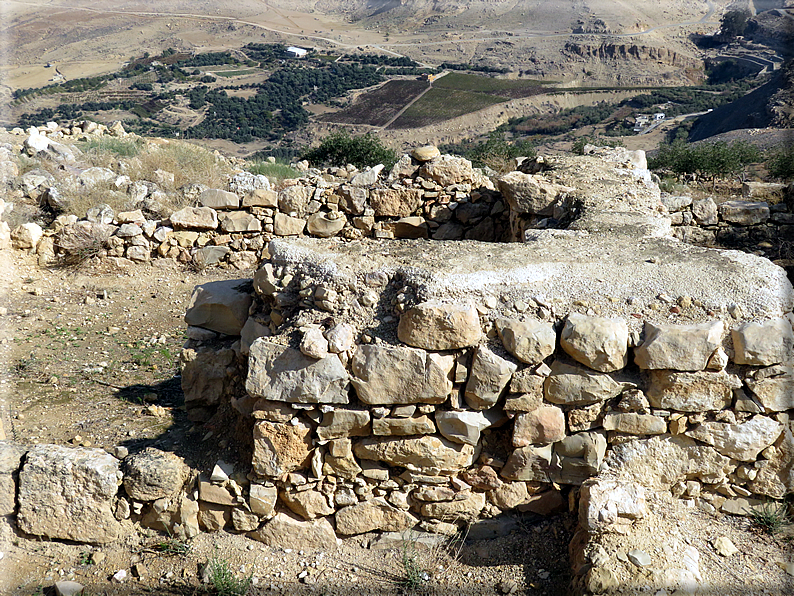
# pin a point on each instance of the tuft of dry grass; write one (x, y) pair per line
(187, 162)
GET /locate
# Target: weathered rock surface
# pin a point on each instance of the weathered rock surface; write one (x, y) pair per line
(462, 426)
(286, 531)
(221, 306)
(440, 326)
(596, 342)
(529, 464)
(344, 423)
(763, 344)
(539, 427)
(740, 441)
(608, 505)
(400, 202)
(530, 341)
(576, 385)
(527, 193)
(397, 375)
(774, 387)
(285, 374)
(691, 391)
(489, 376)
(375, 514)
(69, 494)
(280, 448)
(678, 347)
(195, 218)
(422, 454)
(153, 474)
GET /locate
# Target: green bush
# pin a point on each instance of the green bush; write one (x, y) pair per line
(274, 171)
(780, 162)
(712, 160)
(340, 149)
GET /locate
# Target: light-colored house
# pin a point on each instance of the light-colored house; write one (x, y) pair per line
(296, 52)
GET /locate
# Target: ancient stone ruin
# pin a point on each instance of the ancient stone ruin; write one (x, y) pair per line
(396, 372)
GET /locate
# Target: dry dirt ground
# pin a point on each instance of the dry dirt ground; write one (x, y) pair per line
(90, 357)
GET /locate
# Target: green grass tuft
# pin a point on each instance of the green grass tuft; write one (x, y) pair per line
(223, 579)
(771, 517)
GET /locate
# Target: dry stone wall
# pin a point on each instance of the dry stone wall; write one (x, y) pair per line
(391, 382)
(399, 383)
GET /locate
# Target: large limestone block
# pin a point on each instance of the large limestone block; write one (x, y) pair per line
(462, 427)
(448, 170)
(373, 515)
(539, 427)
(69, 494)
(153, 474)
(309, 504)
(284, 225)
(436, 325)
(280, 448)
(705, 212)
(740, 441)
(597, 342)
(528, 193)
(395, 202)
(219, 199)
(530, 464)
(763, 344)
(325, 225)
(678, 347)
(286, 531)
(635, 424)
(260, 197)
(340, 423)
(293, 199)
(26, 236)
(576, 385)
(221, 306)
(467, 508)
(691, 391)
(775, 473)
(530, 341)
(195, 218)
(424, 454)
(744, 213)
(774, 387)
(489, 376)
(608, 505)
(240, 221)
(661, 461)
(285, 374)
(385, 375)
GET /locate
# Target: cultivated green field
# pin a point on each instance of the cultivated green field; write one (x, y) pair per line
(505, 88)
(438, 105)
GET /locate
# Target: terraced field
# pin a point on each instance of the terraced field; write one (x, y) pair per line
(438, 105)
(509, 89)
(379, 106)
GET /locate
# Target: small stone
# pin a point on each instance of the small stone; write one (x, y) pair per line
(639, 558)
(724, 547)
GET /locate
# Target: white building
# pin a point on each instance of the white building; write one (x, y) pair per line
(297, 52)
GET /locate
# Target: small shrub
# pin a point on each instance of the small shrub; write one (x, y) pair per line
(223, 579)
(340, 149)
(117, 147)
(275, 172)
(413, 576)
(770, 517)
(780, 162)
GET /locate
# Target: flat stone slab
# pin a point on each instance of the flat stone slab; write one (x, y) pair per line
(559, 268)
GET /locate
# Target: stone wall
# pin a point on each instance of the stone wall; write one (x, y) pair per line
(398, 383)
